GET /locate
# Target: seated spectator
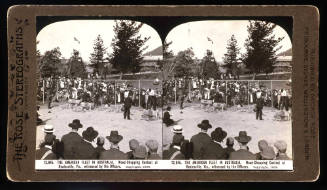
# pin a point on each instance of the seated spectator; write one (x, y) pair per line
(229, 149)
(113, 153)
(85, 149)
(214, 151)
(140, 153)
(267, 153)
(153, 148)
(58, 149)
(243, 153)
(281, 146)
(262, 144)
(45, 152)
(166, 117)
(174, 152)
(99, 148)
(133, 144)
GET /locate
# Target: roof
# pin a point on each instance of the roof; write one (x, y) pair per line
(284, 58)
(286, 53)
(152, 58)
(155, 52)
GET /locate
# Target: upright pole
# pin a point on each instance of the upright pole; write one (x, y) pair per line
(226, 91)
(175, 92)
(271, 94)
(139, 93)
(43, 91)
(115, 92)
(248, 94)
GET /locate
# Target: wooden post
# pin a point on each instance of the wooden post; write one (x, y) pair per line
(271, 94)
(43, 91)
(139, 93)
(175, 92)
(226, 92)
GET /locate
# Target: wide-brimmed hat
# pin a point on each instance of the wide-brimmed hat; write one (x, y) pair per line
(90, 134)
(140, 152)
(204, 124)
(268, 153)
(243, 137)
(75, 124)
(218, 134)
(177, 129)
(114, 137)
(152, 145)
(48, 129)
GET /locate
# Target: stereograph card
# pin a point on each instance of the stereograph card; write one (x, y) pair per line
(163, 93)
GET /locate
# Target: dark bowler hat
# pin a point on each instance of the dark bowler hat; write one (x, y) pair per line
(114, 137)
(218, 134)
(243, 137)
(75, 124)
(204, 124)
(90, 134)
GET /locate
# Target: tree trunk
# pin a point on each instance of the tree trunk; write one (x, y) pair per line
(254, 75)
(121, 75)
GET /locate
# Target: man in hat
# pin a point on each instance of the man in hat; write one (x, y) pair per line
(243, 153)
(281, 146)
(214, 150)
(99, 148)
(174, 152)
(85, 149)
(259, 106)
(166, 117)
(267, 153)
(72, 140)
(140, 153)
(127, 107)
(133, 144)
(113, 153)
(229, 149)
(201, 140)
(45, 152)
(48, 131)
(262, 144)
(153, 148)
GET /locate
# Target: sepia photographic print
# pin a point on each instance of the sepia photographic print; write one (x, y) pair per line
(215, 95)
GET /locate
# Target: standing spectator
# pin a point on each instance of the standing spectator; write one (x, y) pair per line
(229, 149)
(214, 151)
(201, 140)
(153, 148)
(45, 152)
(85, 150)
(133, 144)
(243, 153)
(127, 107)
(113, 153)
(72, 140)
(281, 146)
(259, 107)
(99, 148)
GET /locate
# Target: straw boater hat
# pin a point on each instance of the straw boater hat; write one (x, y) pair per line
(48, 129)
(75, 124)
(114, 137)
(268, 153)
(90, 134)
(177, 129)
(204, 124)
(243, 137)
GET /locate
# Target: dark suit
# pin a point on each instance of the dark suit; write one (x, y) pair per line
(71, 141)
(85, 151)
(98, 151)
(242, 155)
(113, 154)
(40, 152)
(214, 151)
(259, 107)
(127, 107)
(130, 155)
(167, 154)
(228, 150)
(166, 119)
(200, 142)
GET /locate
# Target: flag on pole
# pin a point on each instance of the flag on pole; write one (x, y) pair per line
(210, 40)
(75, 39)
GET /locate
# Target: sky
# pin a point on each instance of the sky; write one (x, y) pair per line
(61, 34)
(192, 34)
(195, 35)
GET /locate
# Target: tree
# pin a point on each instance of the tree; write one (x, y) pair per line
(50, 62)
(76, 65)
(128, 47)
(167, 65)
(209, 66)
(261, 47)
(184, 62)
(97, 58)
(231, 60)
